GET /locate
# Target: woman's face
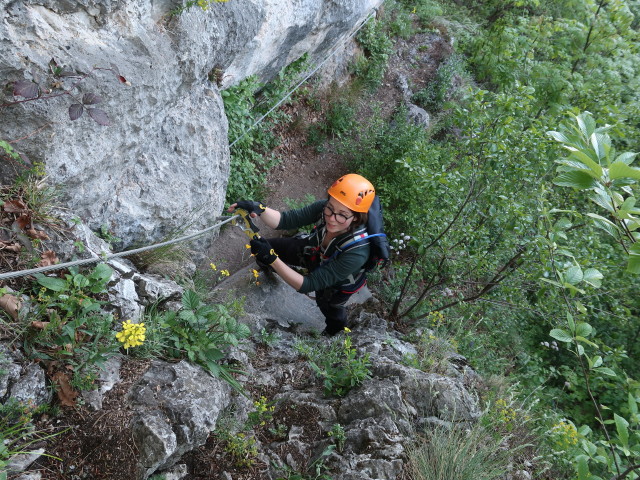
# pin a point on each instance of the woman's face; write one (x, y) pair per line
(337, 217)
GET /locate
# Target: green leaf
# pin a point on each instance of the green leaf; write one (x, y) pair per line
(571, 322)
(606, 371)
(593, 277)
(586, 124)
(576, 179)
(622, 170)
(80, 281)
(190, 300)
(552, 282)
(601, 144)
(626, 157)
(622, 426)
(633, 404)
(633, 265)
(583, 329)
(582, 467)
(604, 224)
(102, 273)
(595, 362)
(573, 275)
(561, 335)
(52, 283)
(589, 162)
(580, 338)
(602, 199)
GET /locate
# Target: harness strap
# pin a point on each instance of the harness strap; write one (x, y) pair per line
(358, 238)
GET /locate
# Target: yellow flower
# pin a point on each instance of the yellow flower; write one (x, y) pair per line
(132, 334)
(246, 245)
(347, 330)
(255, 272)
(225, 273)
(213, 266)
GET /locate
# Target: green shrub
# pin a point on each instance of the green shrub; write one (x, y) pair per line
(434, 95)
(69, 326)
(244, 104)
(377, 47)
(340, 367)
(202, 333)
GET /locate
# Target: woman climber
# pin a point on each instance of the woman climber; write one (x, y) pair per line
(333, 253)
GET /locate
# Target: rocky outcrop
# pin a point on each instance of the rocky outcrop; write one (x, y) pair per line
(379, 418)
(163, 162)
(176, 407)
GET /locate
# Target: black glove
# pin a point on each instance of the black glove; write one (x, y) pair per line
(250, 206)
(263, 251)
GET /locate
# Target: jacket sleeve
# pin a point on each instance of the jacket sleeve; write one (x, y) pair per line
(337, 271)
(302, 216)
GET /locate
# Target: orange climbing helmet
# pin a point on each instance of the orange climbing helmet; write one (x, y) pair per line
(354, 192)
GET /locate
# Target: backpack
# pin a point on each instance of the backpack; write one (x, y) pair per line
(378, 243)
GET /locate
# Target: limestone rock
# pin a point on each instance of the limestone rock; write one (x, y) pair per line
(21, 381)
(163, 160)
(176, 406)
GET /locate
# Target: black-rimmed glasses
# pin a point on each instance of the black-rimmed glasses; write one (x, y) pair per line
(340, 218)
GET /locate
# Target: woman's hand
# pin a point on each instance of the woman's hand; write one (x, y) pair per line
(255, 209)
(263, 251)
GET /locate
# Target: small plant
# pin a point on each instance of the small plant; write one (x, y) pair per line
(377, 46)
(457, 454)
(203, 4)
(316, 471)
(218, 275)
(262, 414)
(202, 333)
(69, 326)
(433, 96)
(341, 367)
(432, 350)
(279, 431)
(269, 338)
(241, 446)
(17, 432)
(132, 334)
(338, 435)
(105, 234)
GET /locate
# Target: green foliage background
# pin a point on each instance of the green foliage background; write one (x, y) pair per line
(533, 285)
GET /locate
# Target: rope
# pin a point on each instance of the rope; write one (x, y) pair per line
(105, 257)
(331, 53)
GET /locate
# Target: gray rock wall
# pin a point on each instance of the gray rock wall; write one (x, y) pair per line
(164, 159)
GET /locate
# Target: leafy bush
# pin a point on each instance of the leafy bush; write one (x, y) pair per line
(70, 326)
(202, 333)
(244, 104)
(377, 47)
(340, 367)
(433, 96)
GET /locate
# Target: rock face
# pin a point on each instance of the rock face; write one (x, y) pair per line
(176, 407)
(164, 160)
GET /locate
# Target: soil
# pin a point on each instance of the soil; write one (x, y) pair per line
(97, 445)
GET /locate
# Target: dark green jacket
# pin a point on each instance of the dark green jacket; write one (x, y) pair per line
(341, 271)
